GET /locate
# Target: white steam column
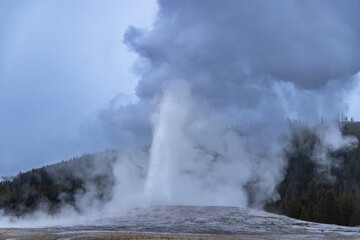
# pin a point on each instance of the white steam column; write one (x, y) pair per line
(168, 145)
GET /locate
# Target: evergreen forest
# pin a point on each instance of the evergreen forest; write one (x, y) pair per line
(305, 193)
(310, 195)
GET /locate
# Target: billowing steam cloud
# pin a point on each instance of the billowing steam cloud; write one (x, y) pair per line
(219, 80)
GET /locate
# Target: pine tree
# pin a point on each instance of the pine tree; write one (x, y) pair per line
(347, 209)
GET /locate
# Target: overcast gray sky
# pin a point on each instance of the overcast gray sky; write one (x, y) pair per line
(60, 62)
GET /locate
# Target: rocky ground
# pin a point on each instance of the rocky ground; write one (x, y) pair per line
(189, 222)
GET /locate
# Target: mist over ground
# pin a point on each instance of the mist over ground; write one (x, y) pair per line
(219, 83)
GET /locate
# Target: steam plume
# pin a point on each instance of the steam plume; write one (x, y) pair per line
(219, 79)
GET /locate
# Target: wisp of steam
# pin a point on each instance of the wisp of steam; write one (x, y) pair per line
(219, 83)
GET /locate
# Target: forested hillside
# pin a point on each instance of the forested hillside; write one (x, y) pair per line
(307, 195)
(63, 184)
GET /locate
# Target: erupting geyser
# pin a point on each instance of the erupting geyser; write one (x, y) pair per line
(219, 81)
(168, 148)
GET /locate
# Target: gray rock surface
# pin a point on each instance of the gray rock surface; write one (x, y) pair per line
(191, 222)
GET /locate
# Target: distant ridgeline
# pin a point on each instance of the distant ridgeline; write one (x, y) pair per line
(67, 183)
(304, 194)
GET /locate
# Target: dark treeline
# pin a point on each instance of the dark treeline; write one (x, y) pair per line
(52, 187)
(307, 195)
